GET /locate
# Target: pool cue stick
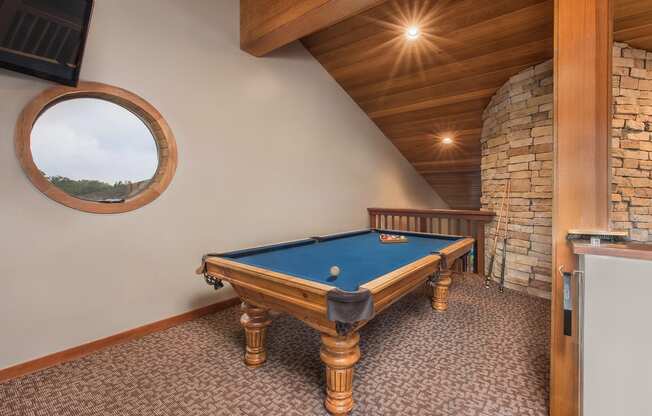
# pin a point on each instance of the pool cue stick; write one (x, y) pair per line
(502, 269)
(490, 273)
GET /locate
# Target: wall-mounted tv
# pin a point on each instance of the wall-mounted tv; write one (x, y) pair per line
(44, 38)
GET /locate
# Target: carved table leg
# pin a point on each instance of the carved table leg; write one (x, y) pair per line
(339, 354)
(255, 321)
(440, 295)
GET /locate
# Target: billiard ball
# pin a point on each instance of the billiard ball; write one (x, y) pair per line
(335, 271)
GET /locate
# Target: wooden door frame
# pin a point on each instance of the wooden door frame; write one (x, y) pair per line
(582, 129)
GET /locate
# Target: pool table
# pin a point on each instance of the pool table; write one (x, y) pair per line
(298, 278)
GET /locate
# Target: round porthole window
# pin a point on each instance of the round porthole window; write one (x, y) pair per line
(96, 148)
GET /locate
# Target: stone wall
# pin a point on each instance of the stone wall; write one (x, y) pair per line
(517, 144)
(517, 140)
(631, 144)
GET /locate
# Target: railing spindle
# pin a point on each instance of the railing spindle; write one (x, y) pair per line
(437, 221)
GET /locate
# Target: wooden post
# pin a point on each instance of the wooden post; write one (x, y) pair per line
(583, 43)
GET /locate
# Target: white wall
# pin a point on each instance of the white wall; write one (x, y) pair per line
(270, 149)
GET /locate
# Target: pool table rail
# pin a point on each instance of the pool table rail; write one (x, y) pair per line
(307, 300)
(304, 299)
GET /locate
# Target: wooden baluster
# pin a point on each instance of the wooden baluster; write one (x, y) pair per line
(479, 248)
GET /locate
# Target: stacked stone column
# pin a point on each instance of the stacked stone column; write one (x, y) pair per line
(631, 162)
(517, 144)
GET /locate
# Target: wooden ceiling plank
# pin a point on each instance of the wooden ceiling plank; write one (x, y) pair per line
(475, 106)
(403, 101)
(421, 137)
(627, 8)
(266, 26)
(501, 28)
(452, 17)
(386, 65)
(484, 94)
(523, 54)
(435, 126)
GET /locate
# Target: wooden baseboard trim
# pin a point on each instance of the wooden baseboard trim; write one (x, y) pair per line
(73, 353)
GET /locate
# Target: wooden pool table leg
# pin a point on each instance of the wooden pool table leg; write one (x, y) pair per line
(440, 295)
(255, 321)
(339, 354)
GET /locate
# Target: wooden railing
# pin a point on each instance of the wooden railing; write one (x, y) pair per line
(439, 221)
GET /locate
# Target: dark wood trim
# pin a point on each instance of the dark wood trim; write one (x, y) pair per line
(266, 26)
(459, 222)
(636, 251)
(582, 127)
(166, 144)
(466, 214)
(83, 350)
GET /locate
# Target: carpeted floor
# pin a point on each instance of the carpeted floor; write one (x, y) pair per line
(486, 356)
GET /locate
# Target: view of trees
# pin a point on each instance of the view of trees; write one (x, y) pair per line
(91, 189)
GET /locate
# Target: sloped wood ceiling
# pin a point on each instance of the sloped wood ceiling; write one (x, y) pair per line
(633, 23)
(436, 86)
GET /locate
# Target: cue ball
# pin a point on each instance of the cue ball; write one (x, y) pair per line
(335, 271)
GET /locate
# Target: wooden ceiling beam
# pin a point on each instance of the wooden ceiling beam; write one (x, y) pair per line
(267, 25)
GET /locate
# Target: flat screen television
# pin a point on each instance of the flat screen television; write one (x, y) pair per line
(44, 38)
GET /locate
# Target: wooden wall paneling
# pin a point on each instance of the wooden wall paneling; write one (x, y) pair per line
(583, 42)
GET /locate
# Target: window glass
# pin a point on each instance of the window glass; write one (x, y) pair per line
(94, 150)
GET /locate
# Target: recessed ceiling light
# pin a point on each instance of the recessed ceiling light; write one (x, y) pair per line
(412, 32)
(447, 140)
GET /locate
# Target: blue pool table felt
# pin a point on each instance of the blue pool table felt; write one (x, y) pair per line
(361, 257)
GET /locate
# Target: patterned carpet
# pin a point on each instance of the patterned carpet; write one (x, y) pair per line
(486, 356)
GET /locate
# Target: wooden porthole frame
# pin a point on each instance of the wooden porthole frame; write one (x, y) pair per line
(165, 143)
